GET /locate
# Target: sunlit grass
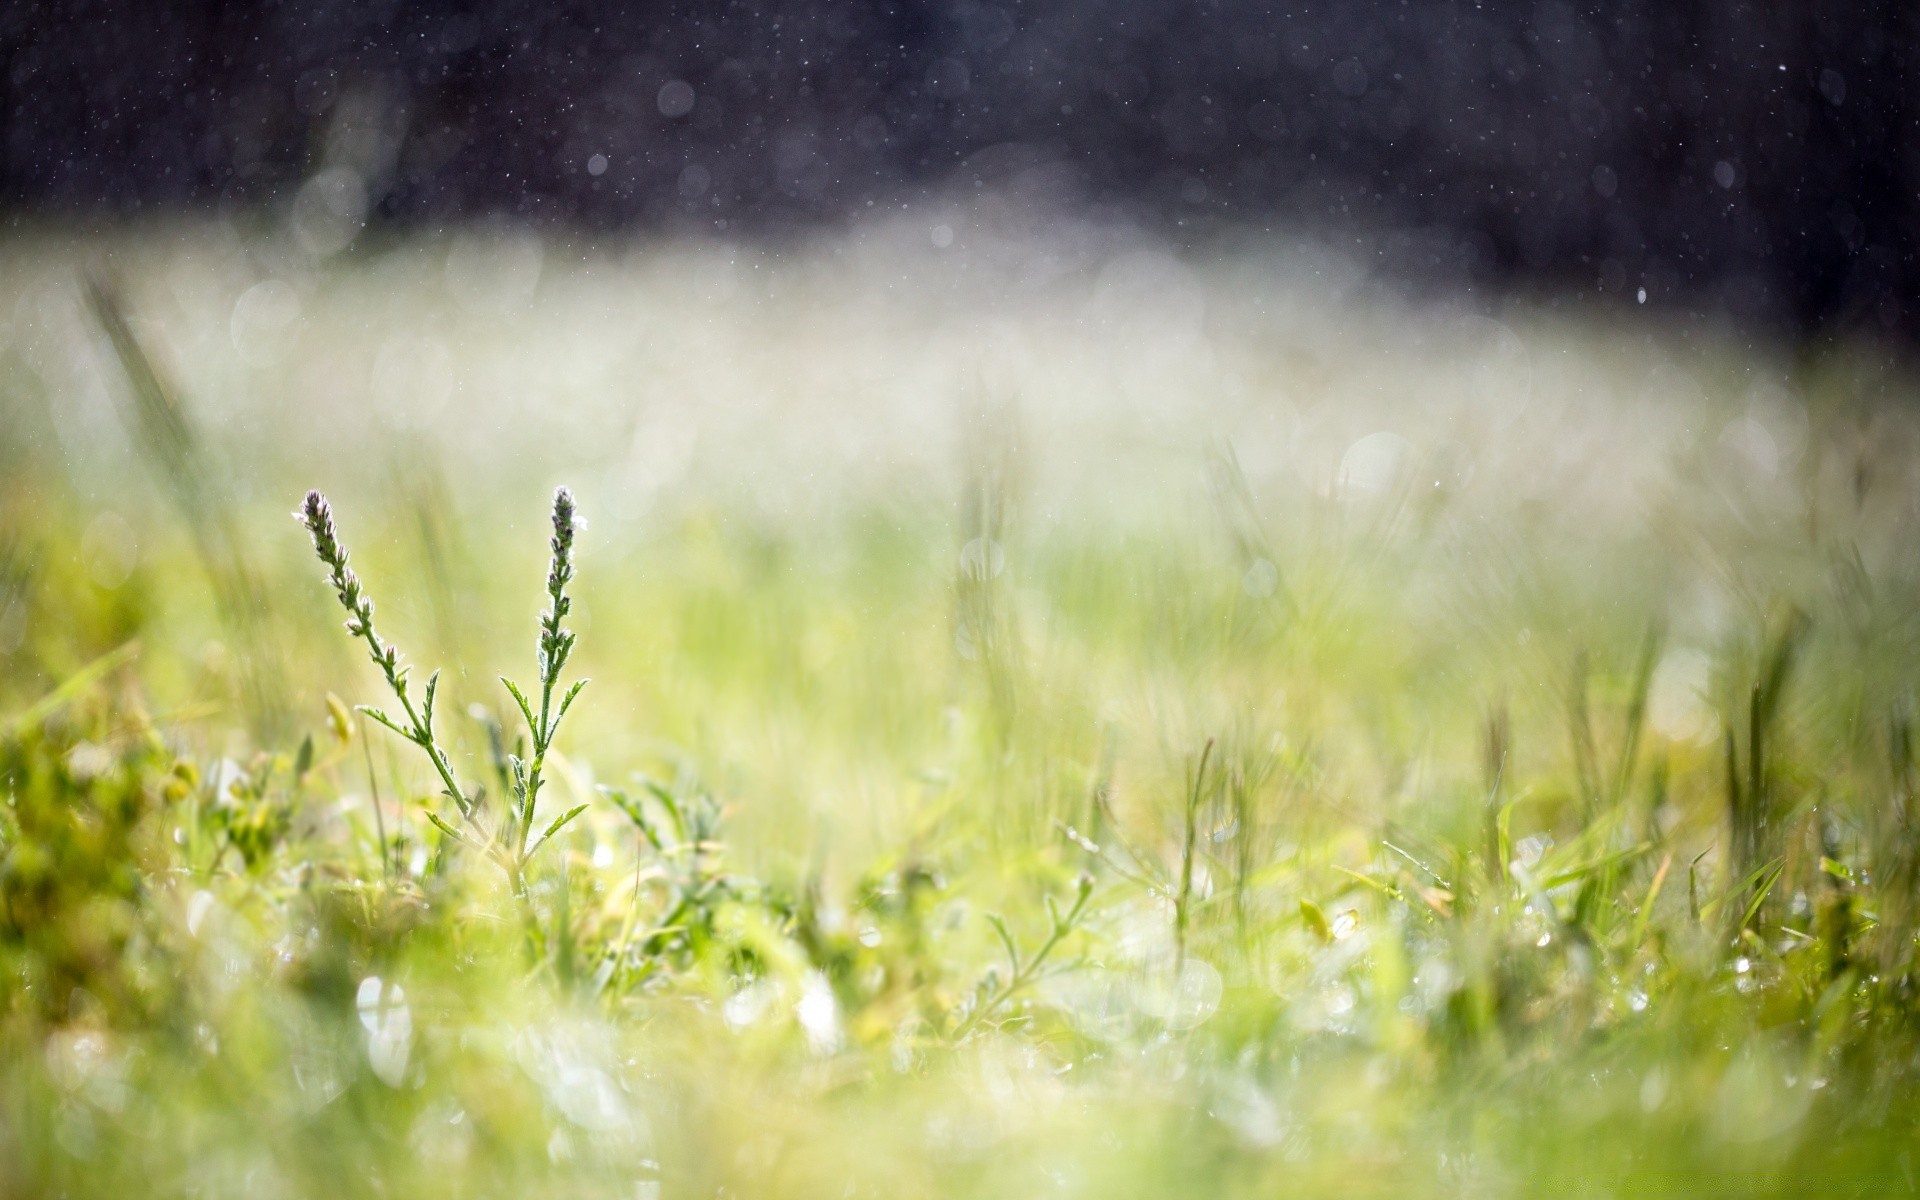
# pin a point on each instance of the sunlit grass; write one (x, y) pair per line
(1487, 741)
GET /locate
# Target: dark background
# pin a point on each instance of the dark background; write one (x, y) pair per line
(1758, 159)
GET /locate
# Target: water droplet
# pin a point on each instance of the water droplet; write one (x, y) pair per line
(982, 558)
(263, 320)
(694, 181)
(329, 211)
(389, 1024)
(110, 550)
(197, 909)
(675, 98)
(1373, 464)
(819, 1014)
(1261, 579)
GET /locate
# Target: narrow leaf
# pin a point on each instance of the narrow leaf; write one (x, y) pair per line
(389, 722)
(559, 823)
(519, 698)
(445, 828)
(566, 701)
(1316, 920)
(1006, 939)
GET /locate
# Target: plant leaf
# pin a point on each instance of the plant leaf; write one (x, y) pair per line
(1006, 939)
(1316, 920)
(447, 829)
(384, 719)
(566, 701)
(519, 698)
(559, 823)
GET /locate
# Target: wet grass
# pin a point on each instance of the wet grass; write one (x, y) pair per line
(1119, 807)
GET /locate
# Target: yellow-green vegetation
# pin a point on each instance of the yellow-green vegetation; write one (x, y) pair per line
(1064, 721)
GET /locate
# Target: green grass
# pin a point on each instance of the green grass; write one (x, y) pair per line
(1043, 739)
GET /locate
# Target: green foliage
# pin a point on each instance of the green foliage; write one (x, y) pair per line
(1400, 843)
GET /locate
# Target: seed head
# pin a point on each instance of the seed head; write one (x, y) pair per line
(317, 515)
(556, 642)
(563, 528)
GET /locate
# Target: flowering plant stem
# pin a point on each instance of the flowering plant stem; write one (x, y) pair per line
(507, 842)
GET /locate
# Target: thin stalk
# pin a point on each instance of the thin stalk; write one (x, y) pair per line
(1182, 901)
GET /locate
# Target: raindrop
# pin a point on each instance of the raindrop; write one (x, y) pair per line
(982, 558)
(1653, 1090)
(675, 98)
(1677, 706)
(1261, 579)
(262, 321)
(1350, 78)
(597, 165)
(746, 1006)
(197, 909)
(819, 1014)
(1751, 440)
(109, 550)
(329, 211)
(1373, 464)
(694, 181)
(389, 1024)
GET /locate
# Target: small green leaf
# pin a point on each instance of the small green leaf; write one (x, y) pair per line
(445, 828)
(1006, 939)
(384, 719)
(519, 698)
(566, 701)
(1316, 920)
(559, 823)
(303, 758)
(664, 795)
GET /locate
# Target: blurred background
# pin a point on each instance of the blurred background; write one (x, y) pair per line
(1472, 312)
(1753, 160)
(1539, 284)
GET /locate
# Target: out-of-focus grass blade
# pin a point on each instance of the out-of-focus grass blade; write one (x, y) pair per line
(74, 684)
(165, 435)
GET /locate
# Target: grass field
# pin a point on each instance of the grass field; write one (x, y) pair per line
(1065, 719)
